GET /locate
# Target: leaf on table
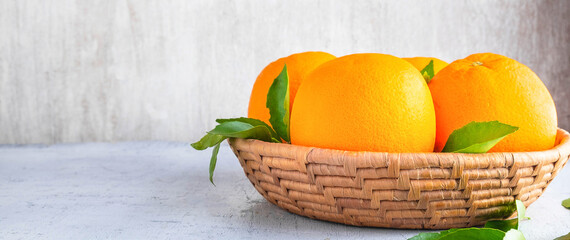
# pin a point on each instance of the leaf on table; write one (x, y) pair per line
(566, 203)
(477, 137)
(428, 72)
(278, 104)
(521, 211)
(462, 233)
(514, 234)
(474, 233)
(433, 236)
(498, 229)
(506, 225)
(471, 233)
(425, 236)
(503, 225)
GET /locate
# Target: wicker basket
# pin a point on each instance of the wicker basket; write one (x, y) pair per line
(398, 190)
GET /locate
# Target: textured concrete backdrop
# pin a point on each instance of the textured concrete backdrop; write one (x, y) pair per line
(111, 70)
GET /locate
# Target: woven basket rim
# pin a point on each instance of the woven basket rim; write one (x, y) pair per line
(562, 142)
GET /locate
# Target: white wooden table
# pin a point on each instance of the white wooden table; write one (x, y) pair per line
(160, 190)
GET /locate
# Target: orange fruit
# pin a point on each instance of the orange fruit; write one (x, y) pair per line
(364, 102)
(298, 67)
(488, 87)
(421, 62)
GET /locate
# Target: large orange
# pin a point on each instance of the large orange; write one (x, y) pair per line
(487, 87)
(298, 67)
(421, 62)
(364, 102)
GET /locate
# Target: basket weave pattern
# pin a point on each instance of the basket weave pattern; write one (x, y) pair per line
(397, 190)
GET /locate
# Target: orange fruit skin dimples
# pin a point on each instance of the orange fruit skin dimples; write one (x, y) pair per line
(364, 102)
(488, 87)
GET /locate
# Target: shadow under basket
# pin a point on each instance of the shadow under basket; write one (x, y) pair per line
(398, 190)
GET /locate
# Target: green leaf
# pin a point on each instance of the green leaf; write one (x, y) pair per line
(233, 128)
(477, 137)
(207, 141)
(278, 104)
(428, 72)
(474, 233)
(236, 129)
(433, 236)
(503, 211)
(213, 161)
(254, 122)
(462, 233)
(521, 211)
(565, 237)
(514, 234)
(506, 225)
(425, 236)
(491, 230)
(566, 203)
(448, 231)
(503, 225)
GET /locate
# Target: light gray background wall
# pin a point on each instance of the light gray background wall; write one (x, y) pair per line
(73, 70)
